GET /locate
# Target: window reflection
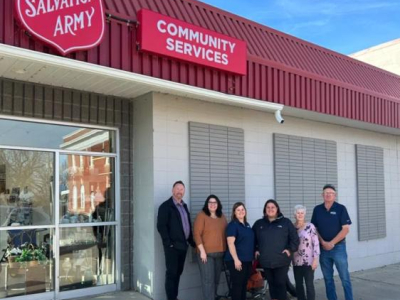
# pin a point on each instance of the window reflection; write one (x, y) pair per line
(50, 136)
(26, 188)
(86, 189)
(86, 139)
(26, 265)
(27, 198)
(86, 257)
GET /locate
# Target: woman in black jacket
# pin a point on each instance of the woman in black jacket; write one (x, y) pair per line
(276, 240)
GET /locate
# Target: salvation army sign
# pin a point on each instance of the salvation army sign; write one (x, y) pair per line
(66, 25)
(163, 35)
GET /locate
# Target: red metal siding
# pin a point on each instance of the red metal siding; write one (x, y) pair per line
(281, 68)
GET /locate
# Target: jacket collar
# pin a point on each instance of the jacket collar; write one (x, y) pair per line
(280, 217)
(176, 202)
(172, 202)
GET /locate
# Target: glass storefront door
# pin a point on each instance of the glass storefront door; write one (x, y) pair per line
(58, 223)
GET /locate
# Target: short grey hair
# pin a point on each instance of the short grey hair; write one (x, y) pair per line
(299, 207)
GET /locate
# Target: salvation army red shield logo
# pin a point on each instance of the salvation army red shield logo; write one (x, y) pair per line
(66, 25)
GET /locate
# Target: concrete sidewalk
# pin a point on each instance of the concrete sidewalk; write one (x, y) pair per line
(374, 284)
(380, 283)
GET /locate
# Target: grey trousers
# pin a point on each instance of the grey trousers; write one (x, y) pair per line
(210, 273)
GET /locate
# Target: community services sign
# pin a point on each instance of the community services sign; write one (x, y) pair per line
(66, 25)
(174, 38)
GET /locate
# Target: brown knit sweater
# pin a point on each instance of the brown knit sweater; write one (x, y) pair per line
(210, 232)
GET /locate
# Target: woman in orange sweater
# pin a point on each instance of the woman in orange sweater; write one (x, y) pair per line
(209, 235)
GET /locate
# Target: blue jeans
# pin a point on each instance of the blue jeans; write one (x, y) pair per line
(338, 257)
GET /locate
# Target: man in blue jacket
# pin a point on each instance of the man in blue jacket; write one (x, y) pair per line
(333, 223)
(173, 224)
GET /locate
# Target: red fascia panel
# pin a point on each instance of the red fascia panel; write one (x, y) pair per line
(281, 68)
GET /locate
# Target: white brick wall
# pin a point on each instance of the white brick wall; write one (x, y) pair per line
(171, 162)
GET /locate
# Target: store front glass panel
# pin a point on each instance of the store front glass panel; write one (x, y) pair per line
(27, 264)
(86, 189)
(87, 257)
(51, 136)
(57, 222)
(26, 188)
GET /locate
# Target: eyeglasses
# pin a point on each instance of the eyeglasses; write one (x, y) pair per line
(329, 193)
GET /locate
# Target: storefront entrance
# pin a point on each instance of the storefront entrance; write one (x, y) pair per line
(58, 208)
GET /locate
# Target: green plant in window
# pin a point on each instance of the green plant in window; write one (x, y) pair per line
(31, 253)
(26, 255)
(39, 255)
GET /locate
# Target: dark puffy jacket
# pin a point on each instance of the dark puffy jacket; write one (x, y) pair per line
(274, 237)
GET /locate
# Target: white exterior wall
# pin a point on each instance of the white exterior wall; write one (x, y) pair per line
(143, 186)
(171, 162)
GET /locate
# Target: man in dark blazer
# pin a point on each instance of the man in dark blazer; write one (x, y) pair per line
(173, 224)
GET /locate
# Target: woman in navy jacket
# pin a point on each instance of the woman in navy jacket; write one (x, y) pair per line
(276, 239)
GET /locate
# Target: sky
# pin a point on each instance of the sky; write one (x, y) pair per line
(345, 26)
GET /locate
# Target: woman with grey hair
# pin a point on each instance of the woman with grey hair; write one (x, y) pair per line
(305, 260)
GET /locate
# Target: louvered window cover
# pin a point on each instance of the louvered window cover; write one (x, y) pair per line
(370, 193)
(302, 167)
(216, 165)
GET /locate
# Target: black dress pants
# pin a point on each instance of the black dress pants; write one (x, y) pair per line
(277, 278)
(238, 279)
(174, 261)
(304, 274)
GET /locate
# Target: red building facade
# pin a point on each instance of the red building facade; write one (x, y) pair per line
(280, 68)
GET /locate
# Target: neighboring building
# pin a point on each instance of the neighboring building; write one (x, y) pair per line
(385, 56)
(91, 143)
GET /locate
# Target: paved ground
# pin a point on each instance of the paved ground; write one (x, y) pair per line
(375, 284)
(119, 296)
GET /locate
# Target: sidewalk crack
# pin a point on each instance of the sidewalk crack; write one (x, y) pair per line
(375, 281)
